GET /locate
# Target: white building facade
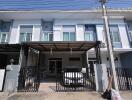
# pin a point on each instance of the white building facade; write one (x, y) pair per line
(51, 26)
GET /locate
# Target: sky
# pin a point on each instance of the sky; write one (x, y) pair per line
(60, 4)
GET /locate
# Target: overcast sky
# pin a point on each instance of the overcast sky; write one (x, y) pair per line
(60, 4)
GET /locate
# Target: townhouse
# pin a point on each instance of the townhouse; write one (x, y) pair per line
(49, 41)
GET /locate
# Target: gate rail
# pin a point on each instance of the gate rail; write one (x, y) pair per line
(124, 78)
(75, 81)
(29, 79)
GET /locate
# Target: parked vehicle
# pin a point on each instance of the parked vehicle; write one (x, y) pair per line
(73, 77)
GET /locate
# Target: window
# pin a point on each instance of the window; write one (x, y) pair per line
(3, 37)
(114, 32)
(69, 33)
(47, 31)
(89, 34)
(47, 36)
(25, 33)
(130, 31)
(4, 28)
(130, 35)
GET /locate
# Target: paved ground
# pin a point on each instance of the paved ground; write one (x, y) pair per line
(59, 96)
(54, 96)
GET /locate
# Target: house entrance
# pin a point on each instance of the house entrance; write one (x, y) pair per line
(55, 66)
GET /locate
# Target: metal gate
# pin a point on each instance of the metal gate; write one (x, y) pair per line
(29, 79)
(75, 80)
(124, 78)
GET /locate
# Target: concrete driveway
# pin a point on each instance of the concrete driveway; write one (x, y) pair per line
(59, 96)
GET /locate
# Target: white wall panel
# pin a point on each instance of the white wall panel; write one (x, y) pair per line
(79, 33)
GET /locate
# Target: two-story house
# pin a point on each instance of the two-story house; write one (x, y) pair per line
(54, 40)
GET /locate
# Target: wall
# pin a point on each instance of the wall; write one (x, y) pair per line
(57, 29)
(126, 59)
(99, 29)
(107, 63)
(101, 78)
(65, 59)
(11, 80)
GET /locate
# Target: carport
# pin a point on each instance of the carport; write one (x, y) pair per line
(51, 47)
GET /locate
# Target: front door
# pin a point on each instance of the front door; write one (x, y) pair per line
(55, 65)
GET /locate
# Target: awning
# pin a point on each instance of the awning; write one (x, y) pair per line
(10, 47)
(62, 45)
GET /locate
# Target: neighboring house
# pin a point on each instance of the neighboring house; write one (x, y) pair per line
(44, 31)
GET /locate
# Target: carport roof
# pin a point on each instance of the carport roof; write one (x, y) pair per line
(54, 45)
(10, 47)
(62, 45)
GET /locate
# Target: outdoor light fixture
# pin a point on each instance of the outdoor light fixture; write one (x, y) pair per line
(116, 59)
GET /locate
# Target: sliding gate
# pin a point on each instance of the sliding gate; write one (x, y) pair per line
(75, 80)
(29, 80)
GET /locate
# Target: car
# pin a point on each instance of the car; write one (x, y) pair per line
(73, 77)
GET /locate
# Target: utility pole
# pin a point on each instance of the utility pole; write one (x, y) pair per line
(109, 43)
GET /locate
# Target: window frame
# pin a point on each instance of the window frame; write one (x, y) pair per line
(130, 34)
(25, 37)
(113, 31)
(69, 33)
(90, 31)
(25, 33)
(48, 32)
(119, 37)
(2, 33)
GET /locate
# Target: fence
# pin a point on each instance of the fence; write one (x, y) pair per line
(29, 79)
(73, 80)
(124, 78)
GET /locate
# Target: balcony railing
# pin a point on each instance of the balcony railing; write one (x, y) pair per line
(47, 36)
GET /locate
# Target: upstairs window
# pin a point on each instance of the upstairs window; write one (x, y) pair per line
(90, 33)
(47, 31)
(130, 31)
(3, 37)
(114, 32)
(47, 36)
(4, 31)
(69, 33)
(25, 33)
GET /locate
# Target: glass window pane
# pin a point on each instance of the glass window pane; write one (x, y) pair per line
(65, 36)
(114, 33)
(5, 27)
(28, 36)
(89, 36)
(3, 38)
(45, 36)
(90, 33)
(50, 37)
(116, 37)
(72, 36)
(22, 37)
(130, 35)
